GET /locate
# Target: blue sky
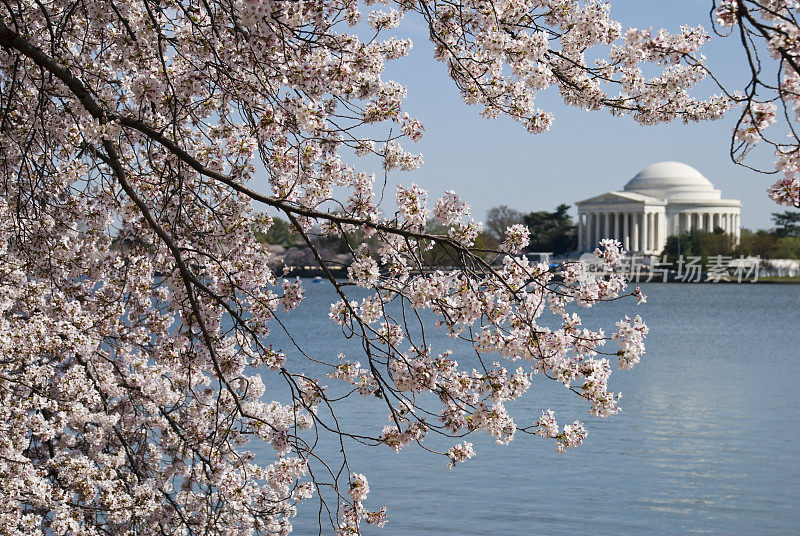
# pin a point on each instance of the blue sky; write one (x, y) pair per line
(493, 162)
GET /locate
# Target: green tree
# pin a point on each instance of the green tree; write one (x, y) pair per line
(552, 231)
(279, 234)
(759, 243)
(700, 243)
(440, 254)
(716, 243)
(786, 247)
(786, 223)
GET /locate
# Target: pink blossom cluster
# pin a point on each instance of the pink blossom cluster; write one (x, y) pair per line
(517, 238)
(501, 53)
(351, 372)
(758, 117)
(630, 338)
(364, 269)
(499, 314)
(767, 100)
(611, 253)
(571, 436)
(354, 512)
(726, 12)
(460, 453)
(450, 208)
(137, 307)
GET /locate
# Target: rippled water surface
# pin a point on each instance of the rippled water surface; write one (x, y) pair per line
(707, 442)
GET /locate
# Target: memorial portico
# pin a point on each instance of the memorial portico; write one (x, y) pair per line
(663, 199)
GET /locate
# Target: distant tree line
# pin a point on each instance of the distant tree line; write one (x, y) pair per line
(555, 232)
(334, 250)
(780, 242)
(552, 232)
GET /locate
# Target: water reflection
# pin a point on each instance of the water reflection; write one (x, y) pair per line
(707, 442)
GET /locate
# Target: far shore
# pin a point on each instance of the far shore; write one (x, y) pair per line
(313, 272)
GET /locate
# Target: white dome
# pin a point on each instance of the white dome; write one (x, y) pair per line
(673, 181)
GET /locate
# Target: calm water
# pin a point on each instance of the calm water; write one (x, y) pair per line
(707, 442)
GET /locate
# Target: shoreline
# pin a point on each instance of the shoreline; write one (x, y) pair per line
(311, 272)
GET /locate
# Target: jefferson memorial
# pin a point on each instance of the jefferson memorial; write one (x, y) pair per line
(667, 198)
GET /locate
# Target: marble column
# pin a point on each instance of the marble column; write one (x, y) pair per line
(656, 234)
(635, 233)
(626, 230)
(586, 230)
(604, 229)
(645, 232)
(653, 229)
